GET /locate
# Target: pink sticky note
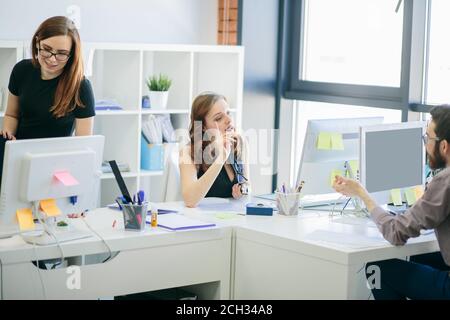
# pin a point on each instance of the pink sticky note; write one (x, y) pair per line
(66, 178)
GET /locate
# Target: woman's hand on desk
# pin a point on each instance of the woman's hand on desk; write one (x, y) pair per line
(7, 135)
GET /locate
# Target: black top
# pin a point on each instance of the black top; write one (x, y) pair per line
(35, 100)
(222, 186)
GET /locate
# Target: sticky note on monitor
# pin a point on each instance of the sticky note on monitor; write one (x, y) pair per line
(334, 173)
(66, 178)
(419, 192)
(324, 141)
(49, 207)
(25, 219)
(336, 141)
(410, 195)
(396, 197)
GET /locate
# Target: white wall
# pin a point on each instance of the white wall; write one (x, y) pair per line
(154, 21)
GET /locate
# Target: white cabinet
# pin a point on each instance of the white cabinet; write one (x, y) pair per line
(119, 72)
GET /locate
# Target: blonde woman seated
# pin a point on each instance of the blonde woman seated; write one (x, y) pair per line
(214, 164)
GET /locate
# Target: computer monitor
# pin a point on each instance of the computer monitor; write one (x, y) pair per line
(317, 165)
(29, 169)
(392, 157)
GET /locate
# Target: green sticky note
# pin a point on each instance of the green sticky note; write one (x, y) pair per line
(226, 216)
(354, 165)
(410, 195)
(334, 173)
(336, 141)
(324, 141)
(396, 197)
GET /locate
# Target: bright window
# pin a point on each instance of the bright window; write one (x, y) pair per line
(352, 42)
(438, 85)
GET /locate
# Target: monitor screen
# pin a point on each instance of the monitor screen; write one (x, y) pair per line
(392, 156)
(316, 165)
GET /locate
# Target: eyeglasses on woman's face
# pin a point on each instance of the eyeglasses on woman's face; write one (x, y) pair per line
(47, 54)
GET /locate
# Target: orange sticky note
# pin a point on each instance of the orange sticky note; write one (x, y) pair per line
(66, 178)
(25, 219)
(49, 207)
(419, 192)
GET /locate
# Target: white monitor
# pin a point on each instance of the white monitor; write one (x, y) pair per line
(32, 172)
(392, 157)
(316, 165)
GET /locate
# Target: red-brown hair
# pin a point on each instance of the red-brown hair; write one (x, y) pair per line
(67, 95)
(202, 104)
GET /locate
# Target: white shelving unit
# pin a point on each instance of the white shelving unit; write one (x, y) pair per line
(118, 72)
(11, 52)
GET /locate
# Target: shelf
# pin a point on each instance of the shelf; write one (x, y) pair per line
(116, 112)
(124, 174)
(147, 173)
(165, 111)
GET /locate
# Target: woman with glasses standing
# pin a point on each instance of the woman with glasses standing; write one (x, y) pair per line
(214, 164)
(48, 94)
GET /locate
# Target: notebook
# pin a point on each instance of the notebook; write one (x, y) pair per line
(176, 222)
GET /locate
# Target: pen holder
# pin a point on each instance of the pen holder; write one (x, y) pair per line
(288, 203)
(134, 216)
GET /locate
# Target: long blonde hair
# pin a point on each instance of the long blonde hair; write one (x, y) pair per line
(67, 95)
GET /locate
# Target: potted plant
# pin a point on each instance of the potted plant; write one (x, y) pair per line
(159, 91)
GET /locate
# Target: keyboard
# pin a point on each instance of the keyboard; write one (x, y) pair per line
(312, 200)
(43, 238)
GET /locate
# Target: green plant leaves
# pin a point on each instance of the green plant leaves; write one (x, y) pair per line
(162, 83)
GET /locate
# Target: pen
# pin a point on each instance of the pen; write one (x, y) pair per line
(141, 197)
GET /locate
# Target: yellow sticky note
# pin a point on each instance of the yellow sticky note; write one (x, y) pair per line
(336, 141)
(225, 216)
(410, 195)
(324, 141)
(25, 219)
(419, 192)
(50, 208)
(396, 197)
(354, 165)
(334, 173)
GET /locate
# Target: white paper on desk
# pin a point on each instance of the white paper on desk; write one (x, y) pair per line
(174, 221)
(355, 221)
(353, 241)
(220, 204)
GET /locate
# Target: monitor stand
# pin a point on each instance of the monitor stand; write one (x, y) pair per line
(44, 238)
(51, 235)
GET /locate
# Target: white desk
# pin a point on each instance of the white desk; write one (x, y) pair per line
(246, 257)
(275, 258)
(149, 260)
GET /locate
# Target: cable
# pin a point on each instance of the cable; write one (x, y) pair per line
(100, 237)
(36, 207)
(39, 271)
